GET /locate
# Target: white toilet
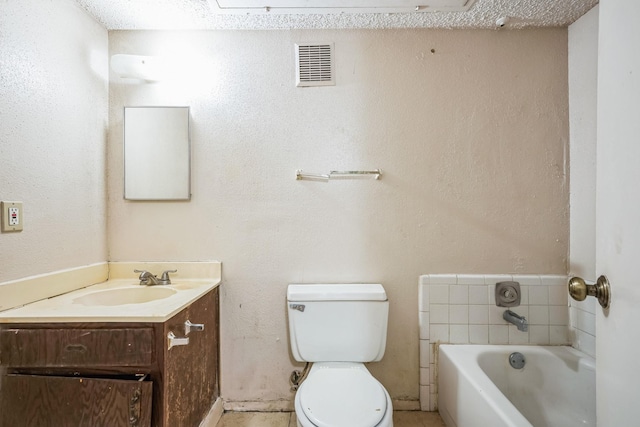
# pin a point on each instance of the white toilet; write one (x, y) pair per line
(339, 327)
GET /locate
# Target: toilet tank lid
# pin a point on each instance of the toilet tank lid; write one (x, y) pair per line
(336, 292)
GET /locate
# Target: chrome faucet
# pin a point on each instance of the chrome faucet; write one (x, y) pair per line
(520, 321)
(148, 279)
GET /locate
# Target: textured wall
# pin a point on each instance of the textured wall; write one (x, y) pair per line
(53, 120)
(472, 140)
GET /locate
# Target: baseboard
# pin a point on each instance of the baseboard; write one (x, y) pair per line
(405, 405)
(258, 405)
(214, 415)
(287, 405)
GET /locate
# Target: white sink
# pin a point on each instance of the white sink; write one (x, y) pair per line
(124, 296)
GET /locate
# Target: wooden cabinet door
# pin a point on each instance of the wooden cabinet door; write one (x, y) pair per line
(191, 371)
(50, 401)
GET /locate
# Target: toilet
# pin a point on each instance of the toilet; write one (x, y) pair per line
(339, 327)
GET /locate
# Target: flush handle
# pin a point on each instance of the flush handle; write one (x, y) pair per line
(299, 307)
(579, 290)
(174, 341)
(188, 327)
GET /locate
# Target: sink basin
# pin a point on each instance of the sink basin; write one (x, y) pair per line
(125, 296)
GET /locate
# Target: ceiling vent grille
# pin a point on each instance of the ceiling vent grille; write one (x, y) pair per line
(314, 65)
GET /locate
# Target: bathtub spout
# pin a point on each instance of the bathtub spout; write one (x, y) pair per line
(520, 321)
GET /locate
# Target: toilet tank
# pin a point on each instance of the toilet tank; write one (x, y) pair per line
(337, 322)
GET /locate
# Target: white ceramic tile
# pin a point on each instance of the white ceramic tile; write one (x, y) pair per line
(538, 334)
(586, 322)
(443, 279)
(524, 295)
(588, 304)
(478, 314)
(558, 335)
(459, 294)
(554, 280)
(439, 314)
(498, 334)
(433, 402)
(459, 334)
(424, 376)
(424, 397)
(538, 295)
(432, 373)
(491, 294)
(423, 297)
(538, 315)
(470, 279)
(527, 279)
(478, 294)
(423, 318)
(424, 279)
(424, 354)
(492, 279)
(517, 337)
(479, 334)
(586, 343)
(459, 314)
(438, 294)
(439, 333)
(573, 317)
(558, 315)
(558, 295)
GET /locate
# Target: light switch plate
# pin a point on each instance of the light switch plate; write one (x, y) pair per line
(11, 216)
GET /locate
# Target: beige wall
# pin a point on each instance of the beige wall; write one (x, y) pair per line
(53, 123)
(472, 140)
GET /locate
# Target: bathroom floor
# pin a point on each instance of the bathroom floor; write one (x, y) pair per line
(288, 419)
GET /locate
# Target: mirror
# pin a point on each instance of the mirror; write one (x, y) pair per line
(157, 155)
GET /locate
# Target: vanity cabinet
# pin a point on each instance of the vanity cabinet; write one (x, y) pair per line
(111, 374)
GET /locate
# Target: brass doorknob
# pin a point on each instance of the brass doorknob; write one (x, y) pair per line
(579, 290)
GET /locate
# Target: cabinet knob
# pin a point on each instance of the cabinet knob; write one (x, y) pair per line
(174, 341)
(188, 327)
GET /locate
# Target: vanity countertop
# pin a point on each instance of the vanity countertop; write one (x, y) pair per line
(113, 300)
(69, 308)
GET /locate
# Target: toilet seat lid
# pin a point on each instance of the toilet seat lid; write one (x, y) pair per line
(343, 398)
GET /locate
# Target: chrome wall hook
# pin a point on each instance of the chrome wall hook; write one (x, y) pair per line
(579, 290)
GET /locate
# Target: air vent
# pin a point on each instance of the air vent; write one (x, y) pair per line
(314, 65)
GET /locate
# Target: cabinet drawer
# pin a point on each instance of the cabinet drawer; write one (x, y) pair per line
(42, 401)
(23, 347)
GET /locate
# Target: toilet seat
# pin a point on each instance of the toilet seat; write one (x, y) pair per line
(343, 397)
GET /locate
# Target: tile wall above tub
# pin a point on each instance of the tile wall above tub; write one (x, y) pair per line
(461, 309)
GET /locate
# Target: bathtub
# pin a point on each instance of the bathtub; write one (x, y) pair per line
(478, 387)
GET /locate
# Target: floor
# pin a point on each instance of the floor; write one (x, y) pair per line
(288, 419)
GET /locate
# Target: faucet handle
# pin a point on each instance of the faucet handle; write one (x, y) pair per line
(143, 273)
(146, 278)
(165, 279)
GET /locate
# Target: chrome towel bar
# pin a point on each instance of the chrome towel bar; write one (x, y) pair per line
(375, 174)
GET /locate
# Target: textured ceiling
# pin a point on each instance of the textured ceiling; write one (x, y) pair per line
(197, 15)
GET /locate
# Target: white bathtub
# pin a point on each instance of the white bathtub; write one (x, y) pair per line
(478, 387)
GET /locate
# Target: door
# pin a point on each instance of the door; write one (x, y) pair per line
(618, 213)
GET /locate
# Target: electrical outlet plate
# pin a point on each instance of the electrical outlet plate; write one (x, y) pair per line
(11, 216)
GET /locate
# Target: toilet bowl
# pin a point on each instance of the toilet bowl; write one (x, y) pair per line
(342, 394)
